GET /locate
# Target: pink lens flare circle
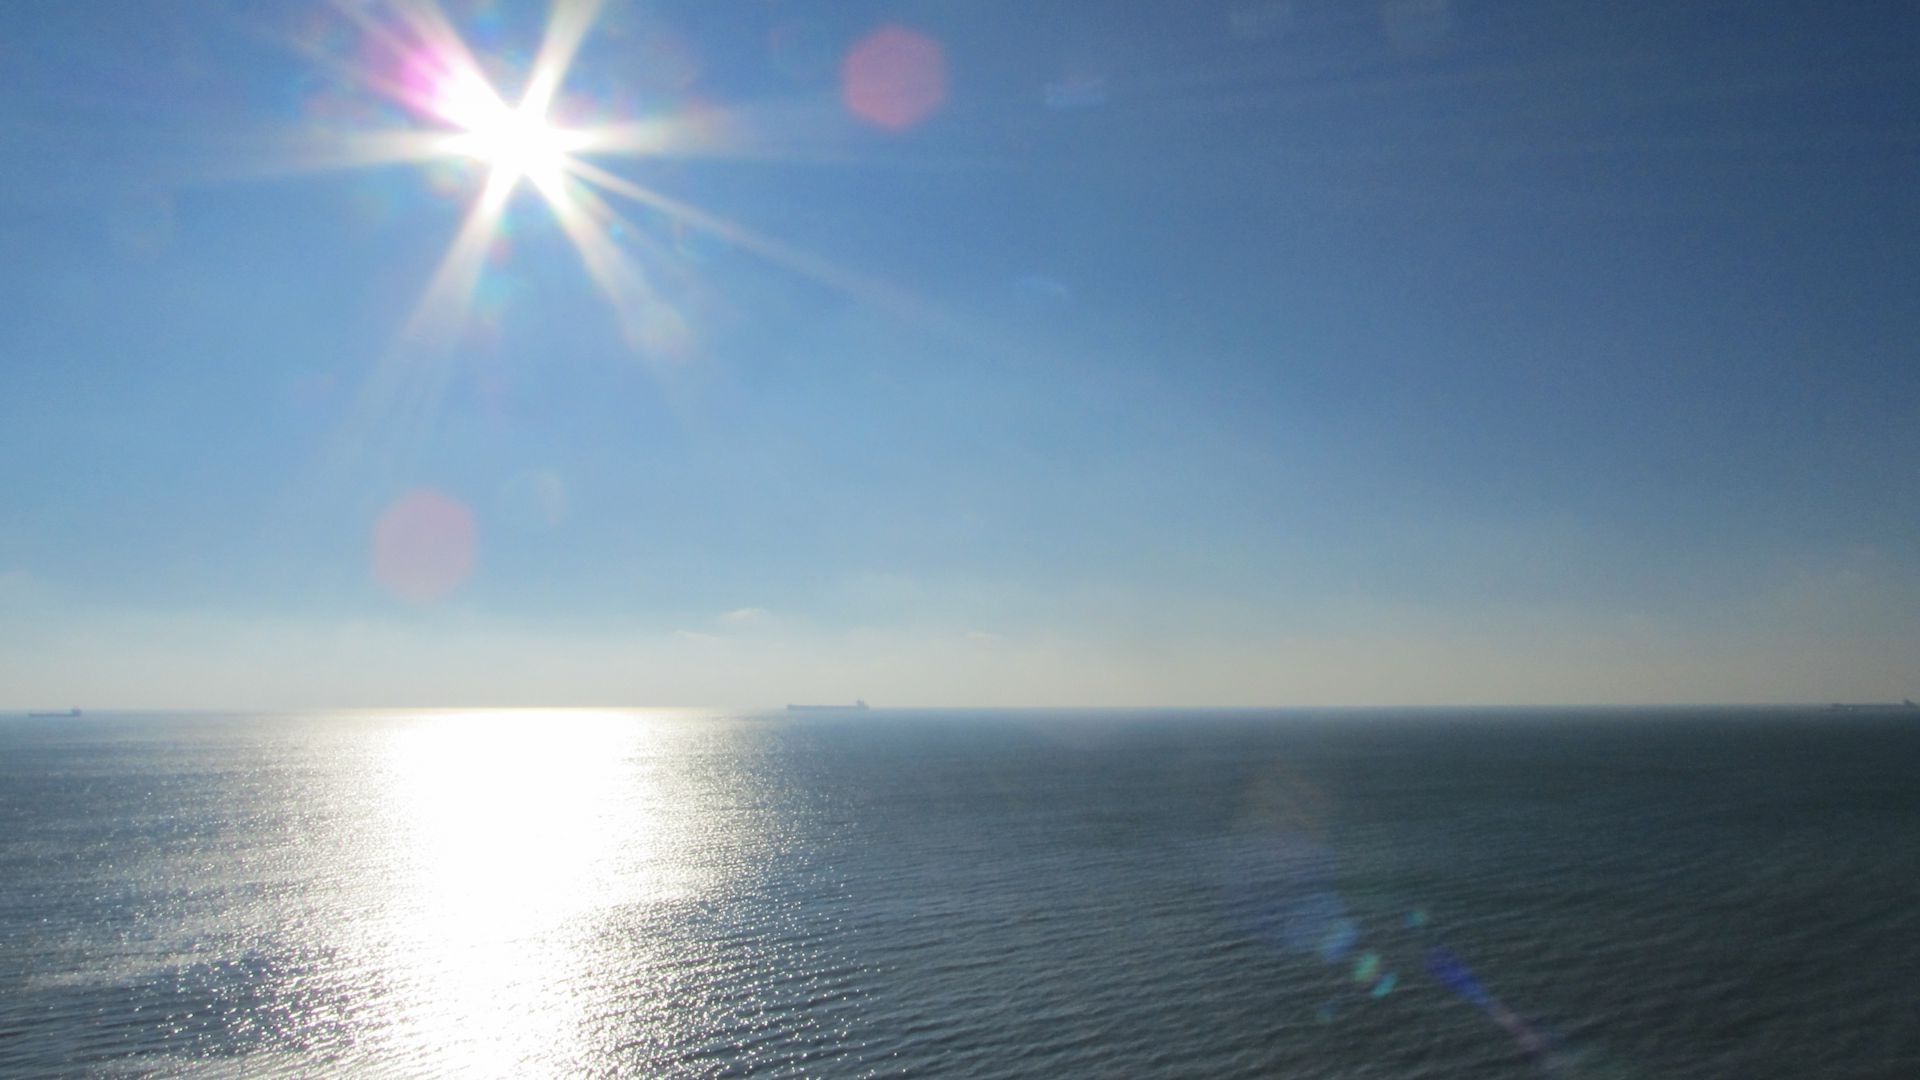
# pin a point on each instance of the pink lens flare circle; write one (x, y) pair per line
(424, 546)
(894, 78)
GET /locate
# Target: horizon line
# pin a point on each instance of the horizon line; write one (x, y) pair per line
(50, 712)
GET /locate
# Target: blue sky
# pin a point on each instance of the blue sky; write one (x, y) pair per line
(1424, 351)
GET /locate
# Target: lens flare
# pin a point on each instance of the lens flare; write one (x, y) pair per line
(894, 78)
(423, 546)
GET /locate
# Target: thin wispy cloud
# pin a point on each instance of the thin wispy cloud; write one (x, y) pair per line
(745, 618)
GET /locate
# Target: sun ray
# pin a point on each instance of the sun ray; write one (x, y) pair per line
(303, 155)
(646, 324)
(567, 29)
(781, 254)
(436, 318)
(394, 411)
(430, 52)
(784, 131)
(432, 28)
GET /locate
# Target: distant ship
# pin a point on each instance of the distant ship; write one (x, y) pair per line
(1870, 706)
(51, 715)
(858, 703)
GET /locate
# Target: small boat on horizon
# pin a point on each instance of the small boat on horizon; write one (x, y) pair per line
(859, 704)
(69, 714)
(1871, 706)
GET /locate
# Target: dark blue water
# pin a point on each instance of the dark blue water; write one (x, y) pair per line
(1509, 894)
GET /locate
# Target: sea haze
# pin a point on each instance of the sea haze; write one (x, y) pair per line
(1355, 894)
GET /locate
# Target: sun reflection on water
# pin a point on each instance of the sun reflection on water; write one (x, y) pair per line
(510, 815)
(511, 832)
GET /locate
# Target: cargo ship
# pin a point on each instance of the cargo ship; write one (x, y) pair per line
(858, 704)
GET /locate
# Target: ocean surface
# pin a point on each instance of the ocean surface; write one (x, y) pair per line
(1678, 893)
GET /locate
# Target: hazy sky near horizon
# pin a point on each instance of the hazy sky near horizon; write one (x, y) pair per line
(1402, 351)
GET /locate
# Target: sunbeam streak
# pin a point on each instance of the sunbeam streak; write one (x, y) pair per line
(567, 29)
(808, 265)
(646, 324)
(436, 318)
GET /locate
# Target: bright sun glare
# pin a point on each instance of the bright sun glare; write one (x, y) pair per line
(512, 141)
(421, 62)
(516, 143)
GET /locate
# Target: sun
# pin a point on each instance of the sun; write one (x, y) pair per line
(417, 59)
(516, 142)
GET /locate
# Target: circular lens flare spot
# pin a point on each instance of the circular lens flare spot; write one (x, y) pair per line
(894, 78)
(423, 546)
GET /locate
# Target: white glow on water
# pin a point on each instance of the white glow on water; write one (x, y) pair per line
(508, 811)
(511, 831)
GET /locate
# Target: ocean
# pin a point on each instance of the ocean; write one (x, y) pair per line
(1366, 893)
